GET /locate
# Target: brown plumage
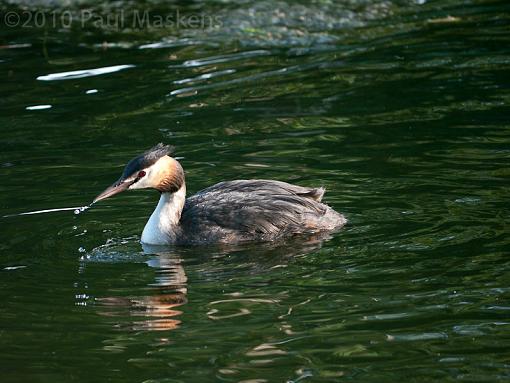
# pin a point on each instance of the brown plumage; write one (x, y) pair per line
(171, 176)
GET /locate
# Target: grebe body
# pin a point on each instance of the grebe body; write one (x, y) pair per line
(228, 212)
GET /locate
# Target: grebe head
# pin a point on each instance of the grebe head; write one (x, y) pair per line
(153, 169)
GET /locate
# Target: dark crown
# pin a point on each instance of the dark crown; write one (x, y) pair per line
(143, 161)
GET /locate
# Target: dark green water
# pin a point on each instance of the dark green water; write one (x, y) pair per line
(399, 109)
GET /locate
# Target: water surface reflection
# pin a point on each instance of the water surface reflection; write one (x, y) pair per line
(157, 305)
(157, 308)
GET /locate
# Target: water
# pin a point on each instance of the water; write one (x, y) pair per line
(400, 110)
(76, 210)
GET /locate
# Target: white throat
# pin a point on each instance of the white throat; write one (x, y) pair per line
(162, 226)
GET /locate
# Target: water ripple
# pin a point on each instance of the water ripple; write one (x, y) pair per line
(83, 73)
(225, 58)
(205, 76)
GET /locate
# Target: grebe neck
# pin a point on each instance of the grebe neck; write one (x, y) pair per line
(162, 226)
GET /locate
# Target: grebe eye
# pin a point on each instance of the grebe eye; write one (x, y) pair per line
(141, 174)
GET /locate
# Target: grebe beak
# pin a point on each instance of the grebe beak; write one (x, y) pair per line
(116, 188)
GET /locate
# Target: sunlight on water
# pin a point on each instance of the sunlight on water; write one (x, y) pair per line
(83, 73)
(38, 107)
(226, 58)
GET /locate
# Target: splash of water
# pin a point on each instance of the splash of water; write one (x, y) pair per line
(76, 209)
(81, 209)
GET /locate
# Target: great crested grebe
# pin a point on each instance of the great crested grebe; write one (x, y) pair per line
(228, 212)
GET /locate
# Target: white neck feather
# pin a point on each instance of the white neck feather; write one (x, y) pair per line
(162, 225)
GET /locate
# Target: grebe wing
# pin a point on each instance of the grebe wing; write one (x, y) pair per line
(264, 187)
(257, 209)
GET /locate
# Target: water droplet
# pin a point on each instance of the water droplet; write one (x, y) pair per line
(81, 209)
(82, 249)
